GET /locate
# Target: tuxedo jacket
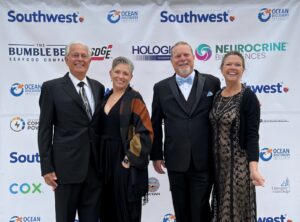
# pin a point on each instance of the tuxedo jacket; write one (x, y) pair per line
(187, 132)
(66, 136)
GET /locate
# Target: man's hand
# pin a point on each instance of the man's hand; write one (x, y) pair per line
(50, 179)
(158, 166)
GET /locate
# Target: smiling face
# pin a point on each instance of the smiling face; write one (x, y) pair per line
(120, 75)
(182, 60)
(78, 60)
(232, 69)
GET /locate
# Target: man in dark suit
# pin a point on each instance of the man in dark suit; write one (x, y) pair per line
(182, 103)
(67, 138)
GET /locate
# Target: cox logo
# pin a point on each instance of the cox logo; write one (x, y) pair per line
(114, 16)
(169, 218)
(25, 188)
(264, 14)
(17, 89)
(203, 52)
(17, 124)
(266, 154)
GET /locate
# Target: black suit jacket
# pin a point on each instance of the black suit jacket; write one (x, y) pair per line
(66, 137)
(187, 133)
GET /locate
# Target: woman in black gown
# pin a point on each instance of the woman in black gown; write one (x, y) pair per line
(235, 119)
(125, 146)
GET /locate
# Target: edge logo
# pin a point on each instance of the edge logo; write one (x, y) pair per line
(203, 52)
(39, 17)
(17, 124)
(25, 188)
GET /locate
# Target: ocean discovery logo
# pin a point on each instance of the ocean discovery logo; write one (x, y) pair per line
(40, 52)
(25, 219)
(115, 16)
(266, 154)
(195, 17)
(267, 14)
(18, 89)
(41, 17)
(151, 53)
(169, 218)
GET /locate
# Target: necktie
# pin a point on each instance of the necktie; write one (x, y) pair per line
(83, 96)
(181, 80)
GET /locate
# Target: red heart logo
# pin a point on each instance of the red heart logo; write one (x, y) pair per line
(285, 89)
(232, 18)
(81, 19)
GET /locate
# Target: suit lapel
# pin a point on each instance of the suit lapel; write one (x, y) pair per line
(95, 92)
(175, 91)
(199, 90)
(71, 91)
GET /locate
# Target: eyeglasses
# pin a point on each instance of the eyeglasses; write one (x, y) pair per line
(77, 56)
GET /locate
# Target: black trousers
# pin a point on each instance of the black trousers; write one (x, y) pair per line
(190, 195)
(82, 197)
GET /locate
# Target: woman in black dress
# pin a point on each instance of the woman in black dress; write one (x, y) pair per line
(235, 119)
(125, 146)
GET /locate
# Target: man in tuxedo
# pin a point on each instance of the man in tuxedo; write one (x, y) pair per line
(182, 103)
(67, 138)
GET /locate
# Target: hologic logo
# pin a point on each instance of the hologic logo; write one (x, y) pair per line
(39, 17)
(114, 16)
(281, 218)
(268, 89)
(169, 218)
(25, 219)
(266, 14)
(25, 188)
(17, 124)
(15, 157)
(203, 52)
(152, 53)
(191, 17)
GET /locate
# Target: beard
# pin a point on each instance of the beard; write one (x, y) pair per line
(184, 72)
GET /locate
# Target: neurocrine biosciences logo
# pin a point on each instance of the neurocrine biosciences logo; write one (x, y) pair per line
(43, 17)
(268, 14)
(284, 187)
(251, 51)
(19, 89)
(267, 153)
(18, 124)
(152, 53)
(277, 88)
(195, 17)
(15, 157)
(101, 53)
(280, 218)
(40, 52)
(25, 219)
(169, 218)
(25, 188)
(203, 52)
(115, 16)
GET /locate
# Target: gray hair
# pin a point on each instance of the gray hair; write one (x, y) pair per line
(68, 47)
(181, 43)
(122, 60)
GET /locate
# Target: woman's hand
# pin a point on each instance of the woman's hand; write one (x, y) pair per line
(255, 177)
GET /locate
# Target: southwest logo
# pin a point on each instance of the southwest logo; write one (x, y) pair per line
(275, 88)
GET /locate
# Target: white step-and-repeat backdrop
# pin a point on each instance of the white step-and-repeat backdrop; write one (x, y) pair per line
(32, 40)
